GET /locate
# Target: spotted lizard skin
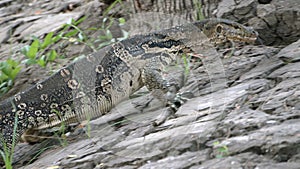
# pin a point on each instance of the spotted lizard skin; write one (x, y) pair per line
(92, 86)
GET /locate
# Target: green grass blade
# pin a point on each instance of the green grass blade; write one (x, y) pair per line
(47, 41)
(33, 49)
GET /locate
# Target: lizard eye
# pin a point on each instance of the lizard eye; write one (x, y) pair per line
(219, 29)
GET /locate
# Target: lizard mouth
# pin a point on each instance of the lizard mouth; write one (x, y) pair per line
(235, 39)
(243, 39)
(247, 35)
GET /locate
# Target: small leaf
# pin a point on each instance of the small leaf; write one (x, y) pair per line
(56, 38)
(113, 40)
(47, 41)
(104, 20)
(51, 55)
(109, 34)
(24, 50)
(4, 84)
(41, 62)
(80, 20)
(15, 72)
(125, 35)
(69, 22)
(103, 44)
(4, 89)
(6, 69)
(65, 27)
(13, 63)
(103, 38)
(122, 21)
(33, 49)
(43, 57)
(10, 82)
(71, 33)
(216, 143)
(61, 57)
(3, 78)
(80, 36)
(24, 61)
(72, 39)
(30, 61)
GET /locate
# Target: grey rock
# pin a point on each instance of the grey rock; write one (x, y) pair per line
(37, 28)
(291, 53)
(248, 103)
(276, 21)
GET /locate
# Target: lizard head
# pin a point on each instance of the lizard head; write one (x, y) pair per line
(221, 31)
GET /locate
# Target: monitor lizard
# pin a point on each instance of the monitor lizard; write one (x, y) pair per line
(92, 86)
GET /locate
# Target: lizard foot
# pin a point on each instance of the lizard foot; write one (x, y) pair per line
(180, 99)
(173, 105)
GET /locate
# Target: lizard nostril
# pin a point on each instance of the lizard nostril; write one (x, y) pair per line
(219, 29)
(264, 1)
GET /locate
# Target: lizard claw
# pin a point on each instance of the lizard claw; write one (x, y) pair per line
(180, 99)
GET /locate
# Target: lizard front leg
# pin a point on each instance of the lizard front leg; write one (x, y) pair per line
(164, 85)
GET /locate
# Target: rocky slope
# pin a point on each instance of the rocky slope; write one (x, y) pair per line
(248, 119)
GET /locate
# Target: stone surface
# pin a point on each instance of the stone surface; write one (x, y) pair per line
(255, 123)
(276, 21)
(246, 115)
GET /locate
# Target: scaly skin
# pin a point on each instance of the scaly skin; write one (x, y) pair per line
(91, 86)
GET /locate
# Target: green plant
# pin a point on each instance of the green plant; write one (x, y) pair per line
(74, 34)
(77, 35)
(8, 151)
(186, 60)
(222, 150)
(9, 69)
(107, 37)
(199, 14)
(88, 127)
(60, 134)
(105, 13)
(39, 50)
(35, 52)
